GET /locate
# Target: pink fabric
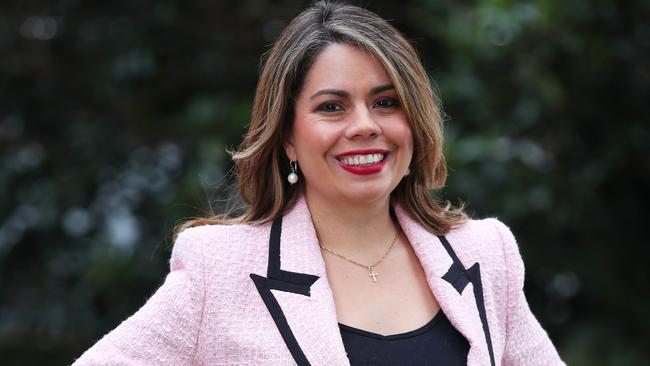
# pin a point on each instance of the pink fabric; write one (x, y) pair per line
(208, 311)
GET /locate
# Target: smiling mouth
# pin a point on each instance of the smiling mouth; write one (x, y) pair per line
(362, 159)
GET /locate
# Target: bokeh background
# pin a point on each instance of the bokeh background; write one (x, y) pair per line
(115, 118)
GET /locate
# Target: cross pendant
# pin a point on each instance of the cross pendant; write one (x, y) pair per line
(373, 274)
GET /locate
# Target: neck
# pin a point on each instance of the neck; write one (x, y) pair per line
(363, 229)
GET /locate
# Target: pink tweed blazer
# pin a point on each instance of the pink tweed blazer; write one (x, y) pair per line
(259, 295)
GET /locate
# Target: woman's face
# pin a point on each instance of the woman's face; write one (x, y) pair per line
(351, 138)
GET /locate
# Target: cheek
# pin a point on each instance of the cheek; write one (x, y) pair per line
(310, 143)
(301, 132)
(315, 136)
(404, 137)
(410, 140)
(408, 132)
(404, 134)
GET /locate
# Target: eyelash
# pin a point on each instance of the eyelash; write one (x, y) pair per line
(323, 107)
(393, 103)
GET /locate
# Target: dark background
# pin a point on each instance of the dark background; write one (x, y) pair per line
(115, 117)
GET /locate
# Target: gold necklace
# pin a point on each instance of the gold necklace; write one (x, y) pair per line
(371, 268)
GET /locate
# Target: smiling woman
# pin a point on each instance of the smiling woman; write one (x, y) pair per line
(350, 135)
(343, 148)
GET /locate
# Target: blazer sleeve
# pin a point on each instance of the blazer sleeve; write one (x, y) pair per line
(165, 330)
(526, 342)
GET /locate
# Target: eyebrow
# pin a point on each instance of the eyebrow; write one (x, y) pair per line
(344, 94)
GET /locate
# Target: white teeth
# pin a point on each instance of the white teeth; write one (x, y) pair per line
(363, 159)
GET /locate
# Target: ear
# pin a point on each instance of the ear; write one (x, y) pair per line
(290, 150)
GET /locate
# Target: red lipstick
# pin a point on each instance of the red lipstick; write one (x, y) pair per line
(365, 169)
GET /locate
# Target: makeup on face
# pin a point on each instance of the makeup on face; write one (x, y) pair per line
(363, 162)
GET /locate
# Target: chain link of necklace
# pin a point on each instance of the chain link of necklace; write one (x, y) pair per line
(371, 268)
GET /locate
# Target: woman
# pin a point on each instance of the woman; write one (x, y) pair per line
(342, 255)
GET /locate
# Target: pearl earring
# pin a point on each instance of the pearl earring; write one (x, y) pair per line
(293, 177)
(408, 171)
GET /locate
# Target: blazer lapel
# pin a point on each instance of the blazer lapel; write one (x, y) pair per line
(296, 292)
(457, 289)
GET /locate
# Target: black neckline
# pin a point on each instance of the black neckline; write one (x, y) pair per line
(436, 319)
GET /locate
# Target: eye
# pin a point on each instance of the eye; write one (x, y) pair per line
(387, 102)
(329, 107)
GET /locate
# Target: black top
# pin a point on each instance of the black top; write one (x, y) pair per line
(435, 343)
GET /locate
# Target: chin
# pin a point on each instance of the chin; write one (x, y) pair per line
(366, 195)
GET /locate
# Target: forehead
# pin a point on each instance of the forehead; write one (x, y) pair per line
(344, 66)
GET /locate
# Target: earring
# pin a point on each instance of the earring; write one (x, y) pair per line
(408, 171)
(293, 177)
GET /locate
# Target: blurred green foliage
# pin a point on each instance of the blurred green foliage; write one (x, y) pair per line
(115, 118)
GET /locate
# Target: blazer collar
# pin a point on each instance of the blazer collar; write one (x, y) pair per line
(458, 290)
(296, 291)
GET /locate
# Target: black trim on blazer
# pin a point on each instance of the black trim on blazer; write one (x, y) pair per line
(278, 279)
(300, 283)
(459, 277)
(474, 274)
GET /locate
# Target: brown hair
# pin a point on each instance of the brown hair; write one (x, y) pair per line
(261, 162)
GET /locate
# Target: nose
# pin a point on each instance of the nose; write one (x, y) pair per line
(362, 124)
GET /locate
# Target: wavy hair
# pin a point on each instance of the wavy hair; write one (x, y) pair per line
(260, 160)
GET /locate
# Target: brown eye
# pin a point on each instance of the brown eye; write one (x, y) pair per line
(386, 102)
(330, 107)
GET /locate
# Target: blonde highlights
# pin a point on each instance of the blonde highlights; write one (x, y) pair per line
(260, 160)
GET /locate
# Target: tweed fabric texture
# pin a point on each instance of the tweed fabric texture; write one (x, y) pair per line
(209, 312)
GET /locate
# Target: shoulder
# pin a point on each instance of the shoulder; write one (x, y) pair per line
(217, 241)
(200, 235)
(487, 241)
(485, 234)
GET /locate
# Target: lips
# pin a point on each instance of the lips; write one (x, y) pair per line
(363, 162)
